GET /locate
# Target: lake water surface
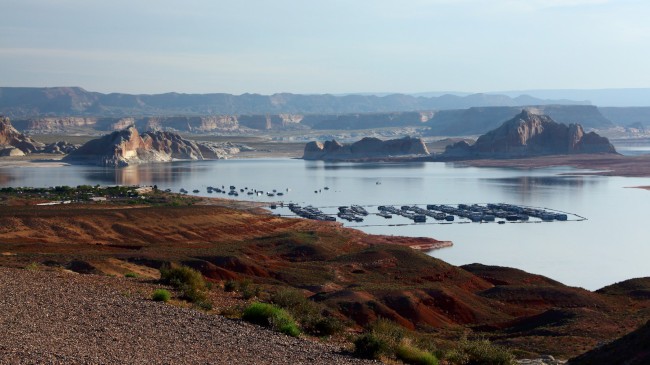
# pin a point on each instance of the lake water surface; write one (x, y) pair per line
(610, 246)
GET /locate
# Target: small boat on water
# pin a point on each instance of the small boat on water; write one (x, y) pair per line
(419, 218)
(358, 210)
(512, 217)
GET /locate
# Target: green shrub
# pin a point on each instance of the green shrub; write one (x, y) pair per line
(370, 346)
(388, 331)
(234, 311)
(161, 295)
(308, 313)
(230, 286)
(250, 291)
(190, 282)
(33, 266)
(271, 316)
(130, 275)
(294, 301)
(327, 326)
(415, 356)
(479, 352)
(384, 338)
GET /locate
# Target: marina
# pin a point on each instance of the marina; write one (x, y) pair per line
(499, 213)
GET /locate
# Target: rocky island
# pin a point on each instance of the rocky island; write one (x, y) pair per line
(128, 146)
(528, 135)
(365, 149)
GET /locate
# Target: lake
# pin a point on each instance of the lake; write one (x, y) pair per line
(609, 246)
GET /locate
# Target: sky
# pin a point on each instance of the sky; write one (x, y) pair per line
(328, 46)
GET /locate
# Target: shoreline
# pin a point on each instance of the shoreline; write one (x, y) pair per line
(640, 187)
(602, 164)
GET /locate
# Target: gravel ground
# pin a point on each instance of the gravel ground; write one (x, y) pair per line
(63, 318)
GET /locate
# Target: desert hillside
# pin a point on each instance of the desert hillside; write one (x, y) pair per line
(356, 276)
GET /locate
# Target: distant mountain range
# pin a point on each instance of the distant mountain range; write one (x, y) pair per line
(27, 102)
(75, 110)
(621, 97)
(627, 97)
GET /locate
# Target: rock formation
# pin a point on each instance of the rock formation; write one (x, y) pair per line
(59, 125)
(367, 148)
(128, 146)
(60, 148)
(14, 143)
(480, 120)
(529, 134)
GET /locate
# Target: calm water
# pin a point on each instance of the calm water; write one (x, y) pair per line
(611, 245)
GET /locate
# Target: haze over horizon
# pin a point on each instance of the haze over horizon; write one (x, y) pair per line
(335, 47)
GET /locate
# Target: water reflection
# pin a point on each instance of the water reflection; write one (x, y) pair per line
(6, 178)
(328, 165)
(530, 188)
(550, 181)
(151, 174)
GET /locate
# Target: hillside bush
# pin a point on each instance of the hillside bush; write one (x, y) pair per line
(188, 281)
(382, 339)
(370, 346)
(269, 315)
(161, 295)
(415, 356)
(230, 286)
(308, 313)
(327, 326)
(479, 352)
(389, 331)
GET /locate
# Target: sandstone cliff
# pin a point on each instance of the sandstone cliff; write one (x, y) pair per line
(191, 124)
(529, 134)
(367, 148)
(14, 143)
(128, 146)
(58, 125)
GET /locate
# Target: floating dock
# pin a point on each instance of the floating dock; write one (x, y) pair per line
(499, 213)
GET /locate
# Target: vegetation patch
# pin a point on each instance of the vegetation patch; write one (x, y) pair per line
(161, 295)
(271, 316)
(382, 339)
(313, 317)
(33, 266)
(189, 282)
(370, 346)
(479, 351)
(415, 356)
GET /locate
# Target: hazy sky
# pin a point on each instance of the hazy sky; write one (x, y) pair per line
(327, 46)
